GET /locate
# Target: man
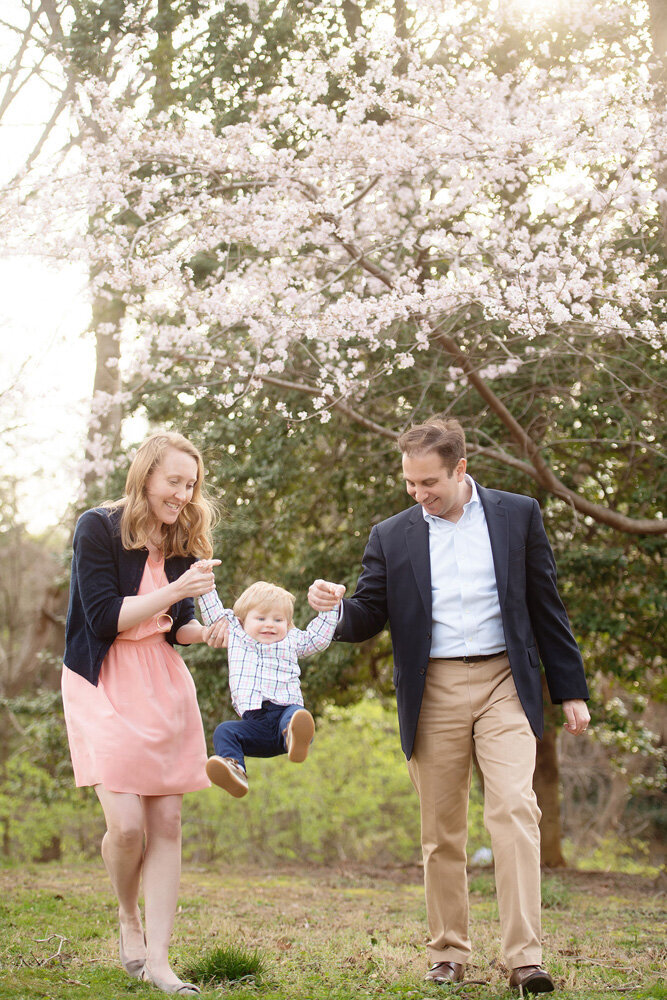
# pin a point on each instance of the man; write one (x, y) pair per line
(466, 580)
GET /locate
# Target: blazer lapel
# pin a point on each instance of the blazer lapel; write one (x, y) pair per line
(497, 522)
(416, 537)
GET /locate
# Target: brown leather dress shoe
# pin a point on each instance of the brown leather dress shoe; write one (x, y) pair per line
(445, 972)
(532, 978)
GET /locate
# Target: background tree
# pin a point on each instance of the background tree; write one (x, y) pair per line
(353, 217)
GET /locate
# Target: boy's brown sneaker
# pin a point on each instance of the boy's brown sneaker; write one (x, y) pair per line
(299, 735)
(227, 773)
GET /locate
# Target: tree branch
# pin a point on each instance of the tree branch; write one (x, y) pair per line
(544, 475)
(332, 402)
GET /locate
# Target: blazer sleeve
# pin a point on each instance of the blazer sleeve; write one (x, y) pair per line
(559, 652)
(365, 613)
(97, 573)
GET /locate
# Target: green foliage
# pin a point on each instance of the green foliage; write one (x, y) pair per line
(39, 718)
(614, 855)
(352, 800)
(40, 821)
(555, 894)
(42, 814)
(226, 963)
(483, 885)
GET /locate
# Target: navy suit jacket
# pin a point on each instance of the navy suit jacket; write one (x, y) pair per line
(395, 587)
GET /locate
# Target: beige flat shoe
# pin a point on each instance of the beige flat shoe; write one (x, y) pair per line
(133, 966)
(179, 988)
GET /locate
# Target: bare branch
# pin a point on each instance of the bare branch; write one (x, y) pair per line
(543, 473)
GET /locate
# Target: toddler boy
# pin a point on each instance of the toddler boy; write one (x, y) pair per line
(263, 650)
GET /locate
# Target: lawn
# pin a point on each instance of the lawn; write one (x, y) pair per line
(320, 933)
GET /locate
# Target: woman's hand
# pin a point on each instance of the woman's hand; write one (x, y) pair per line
(216, 634)
(198, 579)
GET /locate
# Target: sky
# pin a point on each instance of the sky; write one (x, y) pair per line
(46, 370)
(46, 360)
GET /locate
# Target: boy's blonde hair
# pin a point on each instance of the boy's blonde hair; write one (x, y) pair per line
(261, 596)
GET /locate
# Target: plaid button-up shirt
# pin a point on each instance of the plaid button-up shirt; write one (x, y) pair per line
(262, 671)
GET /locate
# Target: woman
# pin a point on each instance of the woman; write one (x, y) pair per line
(133, 723)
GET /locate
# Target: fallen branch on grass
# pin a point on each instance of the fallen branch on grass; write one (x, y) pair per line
(45, 961)
(604, 965)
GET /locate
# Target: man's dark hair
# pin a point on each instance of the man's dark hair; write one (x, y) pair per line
(444, 436)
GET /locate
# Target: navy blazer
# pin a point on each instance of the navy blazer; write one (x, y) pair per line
(395, 587)
(103, 575)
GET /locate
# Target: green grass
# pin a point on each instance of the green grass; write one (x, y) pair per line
(314, 934)
(225, 963)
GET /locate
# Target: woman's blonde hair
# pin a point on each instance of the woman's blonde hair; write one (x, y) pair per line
(191, 533)
(262, 596)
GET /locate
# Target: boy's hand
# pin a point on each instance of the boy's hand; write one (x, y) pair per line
(196, 580)
(325, 596)
(216, 635)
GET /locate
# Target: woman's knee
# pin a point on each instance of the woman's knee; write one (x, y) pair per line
(164, 819)
(126, 832)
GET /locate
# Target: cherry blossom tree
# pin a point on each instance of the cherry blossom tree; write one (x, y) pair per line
(372, 211)
(479, 205)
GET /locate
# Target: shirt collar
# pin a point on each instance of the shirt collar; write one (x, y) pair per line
(474, 498)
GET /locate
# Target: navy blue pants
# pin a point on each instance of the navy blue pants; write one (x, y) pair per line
(258, 733)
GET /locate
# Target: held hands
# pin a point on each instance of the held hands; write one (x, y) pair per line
(325, 596)
(577, 716)
(216, 635)
(198, 579)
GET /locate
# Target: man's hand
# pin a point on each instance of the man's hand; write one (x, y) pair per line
(216, 634)
(577, 716)
(325, 596)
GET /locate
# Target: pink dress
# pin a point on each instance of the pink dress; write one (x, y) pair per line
(140, 729)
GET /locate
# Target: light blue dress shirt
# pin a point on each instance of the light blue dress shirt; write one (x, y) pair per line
(466, 610)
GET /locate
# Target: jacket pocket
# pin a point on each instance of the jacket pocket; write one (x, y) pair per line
(533, 656)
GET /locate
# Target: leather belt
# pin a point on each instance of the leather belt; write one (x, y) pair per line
(473, 659)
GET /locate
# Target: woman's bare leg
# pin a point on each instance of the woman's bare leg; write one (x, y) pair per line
(122, 851)
(162, 876)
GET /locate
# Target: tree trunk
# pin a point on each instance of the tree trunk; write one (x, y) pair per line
(51, 851)
(46, 638)
(547, 787)
(162, 56)
(104, 427)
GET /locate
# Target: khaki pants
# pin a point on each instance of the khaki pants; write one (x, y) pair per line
(466, 703)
